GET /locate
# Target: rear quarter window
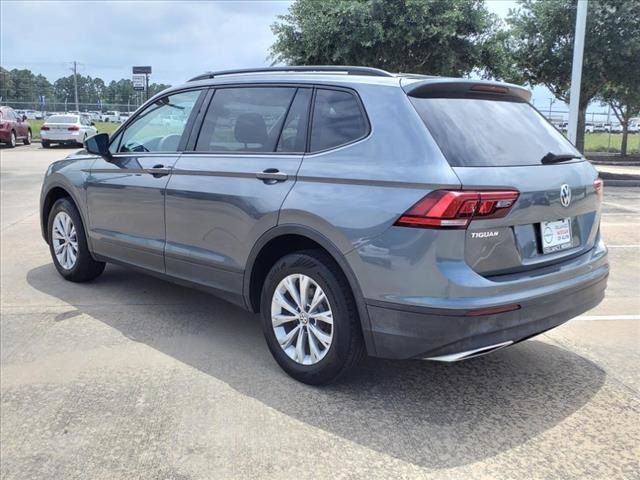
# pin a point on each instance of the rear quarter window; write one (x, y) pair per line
(337, 119)
(478, 132)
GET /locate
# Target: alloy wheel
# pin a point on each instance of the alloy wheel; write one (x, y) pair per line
(302, 319)
(65, 240)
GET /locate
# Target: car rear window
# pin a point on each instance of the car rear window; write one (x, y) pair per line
(473, 132)
(62, 119)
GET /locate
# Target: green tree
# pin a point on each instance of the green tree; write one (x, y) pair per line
(441, 37)
(540, 47)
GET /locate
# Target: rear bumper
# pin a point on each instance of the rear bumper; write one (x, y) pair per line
(400, 331)
(61, 137)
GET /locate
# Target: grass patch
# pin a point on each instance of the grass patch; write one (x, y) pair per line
(103, 127)
(600, 142)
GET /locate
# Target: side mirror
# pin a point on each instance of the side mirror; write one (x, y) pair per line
(24, 118)
(98, 145)
(93, 124)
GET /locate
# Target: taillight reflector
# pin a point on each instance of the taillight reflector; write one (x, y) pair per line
(456, 208)
(598, 185)
(44, 127)
(492, 310)
(74, 128)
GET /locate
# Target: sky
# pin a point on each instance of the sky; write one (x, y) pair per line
(178, 39)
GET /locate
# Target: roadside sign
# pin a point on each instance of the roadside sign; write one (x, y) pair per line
(146, 70)
(138, 82)
(41, 100)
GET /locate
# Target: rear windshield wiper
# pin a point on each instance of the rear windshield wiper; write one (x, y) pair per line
(558, 157)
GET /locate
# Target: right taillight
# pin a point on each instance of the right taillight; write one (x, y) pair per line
(456, 208)
(598, 185)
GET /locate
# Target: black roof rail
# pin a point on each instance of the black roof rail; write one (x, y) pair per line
(349, 70)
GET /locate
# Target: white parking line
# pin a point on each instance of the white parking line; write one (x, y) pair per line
(624, 207)
(623, 246)
(608, 317)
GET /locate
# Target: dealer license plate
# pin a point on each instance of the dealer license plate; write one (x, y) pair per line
(556, 235)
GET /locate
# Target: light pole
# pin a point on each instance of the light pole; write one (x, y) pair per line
(576, 70)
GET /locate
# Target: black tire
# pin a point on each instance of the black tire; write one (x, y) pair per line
(27, 139)
(347, 346)
(45, 144)
(85, 267)
(12, 140)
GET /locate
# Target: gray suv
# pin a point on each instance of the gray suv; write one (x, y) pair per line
(359, 211)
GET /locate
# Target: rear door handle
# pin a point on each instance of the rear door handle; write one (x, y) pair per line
(159, 171)
(272, 175)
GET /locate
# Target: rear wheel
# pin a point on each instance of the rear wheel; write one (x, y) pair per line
(45, 144)
(27, 139)
(309, 318)
(68, 244)
(12, 140)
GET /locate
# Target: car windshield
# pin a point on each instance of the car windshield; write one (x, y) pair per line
(62, 119)
(473, 132)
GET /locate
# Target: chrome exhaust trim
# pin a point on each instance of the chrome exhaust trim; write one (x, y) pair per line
(455, 357)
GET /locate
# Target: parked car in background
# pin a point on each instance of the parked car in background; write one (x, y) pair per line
(66, 129)
(124, 117)
(616, 128)
(634, 126)
(33, 114)
(601, 127)
(356, 212)
(13, 128)
(95, 115)
(589, 128)
(111, 116)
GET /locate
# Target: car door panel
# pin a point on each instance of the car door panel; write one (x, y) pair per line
(125, 201)
(126, 192)
(216, 209)
(219, 203)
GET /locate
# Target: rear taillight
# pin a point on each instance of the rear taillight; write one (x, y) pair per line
(74, 128)
(456, 208)
(44, 127)
(598, 185)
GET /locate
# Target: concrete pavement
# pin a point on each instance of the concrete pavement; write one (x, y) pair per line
(133, 377)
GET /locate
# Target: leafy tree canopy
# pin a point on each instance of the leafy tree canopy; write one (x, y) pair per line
(441, 37)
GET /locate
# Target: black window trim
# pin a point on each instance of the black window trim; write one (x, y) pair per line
(118, 134)
(198, 122)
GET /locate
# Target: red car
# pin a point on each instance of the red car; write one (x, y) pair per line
(13, 128)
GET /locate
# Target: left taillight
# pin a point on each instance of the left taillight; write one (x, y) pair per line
(44, 127)
(456, 208)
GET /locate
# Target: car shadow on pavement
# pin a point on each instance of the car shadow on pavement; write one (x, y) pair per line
(430, 414)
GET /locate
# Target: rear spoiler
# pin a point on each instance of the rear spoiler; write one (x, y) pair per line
(457, 88)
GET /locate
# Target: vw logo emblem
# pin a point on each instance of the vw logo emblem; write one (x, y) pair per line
(565, 195)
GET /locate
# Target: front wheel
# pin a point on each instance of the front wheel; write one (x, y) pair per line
(12, 140)
(309, 318)
(68, 244)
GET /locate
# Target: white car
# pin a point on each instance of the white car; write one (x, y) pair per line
(111, 116)
(634, 127)
(66, 129)
(33, 115)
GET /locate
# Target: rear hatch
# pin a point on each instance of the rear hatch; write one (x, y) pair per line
(494, 140)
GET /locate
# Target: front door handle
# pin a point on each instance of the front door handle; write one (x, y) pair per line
(159, 171)
(272, 175)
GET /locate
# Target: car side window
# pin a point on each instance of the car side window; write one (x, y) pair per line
(160, 126)
(11, 115)
(337, 119)
(294, 132)
(245, 119)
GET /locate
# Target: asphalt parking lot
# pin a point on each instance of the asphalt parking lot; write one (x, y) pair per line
(133, 377)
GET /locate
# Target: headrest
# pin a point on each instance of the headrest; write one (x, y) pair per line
(250, 128)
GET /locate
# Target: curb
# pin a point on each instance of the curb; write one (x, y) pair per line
(621, 183)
